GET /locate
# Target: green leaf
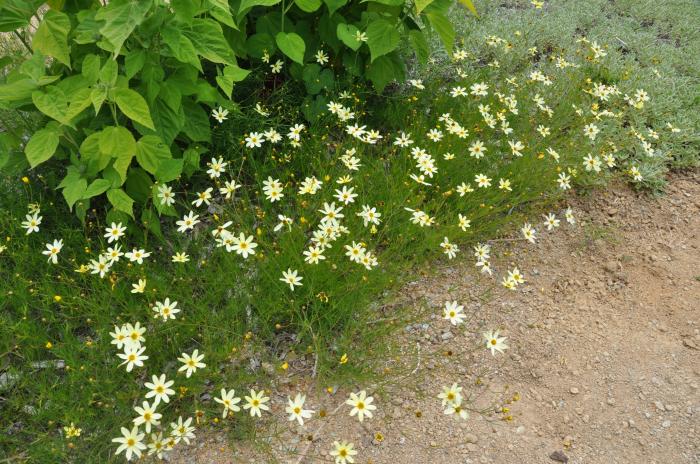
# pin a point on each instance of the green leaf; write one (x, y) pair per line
(97, 187)
(231, 74)
(181, 47)
(197, 126)
(420, 45)
(421, 5)
(98, 96)
(117, 142)
(470, 6)
(246, 4)
(209, 41)
(168, 122)
(109, 72)
(292, 45)
(384, 70)
(138, 185)
(91, 68)
(150, 219)
(389, 2)
(308, 6)
(121, 201)
(74, 191)
(42, 145)
(444, 28)
(134, 106)
(347, 33)
(120, 19)
(334, 5)
(220, 10)
(51, 38)
(151, 152)
(134, 61)
(382, 38)
(169, 170)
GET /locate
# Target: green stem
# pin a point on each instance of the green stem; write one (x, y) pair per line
(23, 40)
(114, 113)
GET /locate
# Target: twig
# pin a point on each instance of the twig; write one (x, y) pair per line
(24, 42)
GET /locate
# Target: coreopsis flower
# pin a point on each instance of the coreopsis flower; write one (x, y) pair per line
(32, 223)
(254, 140)
(551, 221)
(119, 337)
(131, 442)
(132, 356)
(157, 445)
(543, 130)
(295, 409)
(100, 266)
(203, 197)
(569, 215)
(137, 255)
(276, 67)
(479, 89)
(450, 249)
(113, 254)
(256, 403)
(591, 131)
(159, 389)
(463, 222)
(346, 195)
(592, 163)
(166, 195)
(482, 181)
(343, 452)
(180, 257)
(450, 395)
(494, 342)
(361, 36)
(134, 334)
(284, 221)
(295, 132)
(464, 188)
(528, 233)
(182, 430)
(229, 401)
(190, 363)
(188, 222)
(243, 245)
(453, 312)
(456, 408)
(219, 114)
(403, 140)
(564, 181)
(272, 136)
(636, 174)
(417, 83)
(147, 415)
(370, 215)
(321, 57)
(477, 149)
(361, 405)
(52, 250)
(229, 189)
(216, 168)
(166, 309)
(139, 287)
(504, 184)
(516, 276)
(291, 278)
(114, 232)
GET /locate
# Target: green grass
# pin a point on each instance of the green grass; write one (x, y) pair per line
(236, 311)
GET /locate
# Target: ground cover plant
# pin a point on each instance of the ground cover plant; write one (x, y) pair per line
(281, 243)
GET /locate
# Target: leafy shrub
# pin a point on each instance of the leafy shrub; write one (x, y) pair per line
(128, 85)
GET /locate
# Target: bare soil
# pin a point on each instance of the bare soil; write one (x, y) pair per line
(603, 365)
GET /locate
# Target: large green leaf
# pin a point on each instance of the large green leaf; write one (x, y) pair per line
(51, 38)
(169, 170)
(421, 5)
(247, 4)
(347, 33)
(118, 143)
(209, 41)
(384, 70)
(180, 46)
(382, 38)
(470, 5)
(230, 75)
(444, 28)
(292, 45)
(74, 191)
(308, 6)
(121, 201)
(168, 122)
(151, 152)
(120, 19)
(16, 13)
(220, 10)
(133, 105)
(42, 145)
(420, 45)
(334, 5)
(197, 126)
(97, 187)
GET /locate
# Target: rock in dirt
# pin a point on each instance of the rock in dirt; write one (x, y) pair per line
(559, 456)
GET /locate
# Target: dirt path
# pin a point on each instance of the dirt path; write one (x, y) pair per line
(604, 339)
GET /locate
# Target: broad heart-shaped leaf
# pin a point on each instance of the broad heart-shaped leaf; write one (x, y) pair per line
(292, 45)
(308, 6)
(42, 145)
(51, 38)
(470, 5)
(180, 46)
(209, 41)
(420, 45)
(169, 170)
(347, 33)
(97, 187)
(117, 142)
(421, 4)
(220, 10)
(134, 106)
(150, 152)
(444, 28)
(74, 191)
(246, 4)
(121, 201)
(230, 75)
(150, 219)
(333, 5)
(382, 38)
(385, 69)
(120, 19)
(197, 126)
